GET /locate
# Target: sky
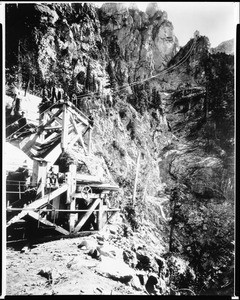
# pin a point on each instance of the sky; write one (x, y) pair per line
(216, 20)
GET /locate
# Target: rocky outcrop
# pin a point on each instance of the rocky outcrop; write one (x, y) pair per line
(111, 42)
(225, 47)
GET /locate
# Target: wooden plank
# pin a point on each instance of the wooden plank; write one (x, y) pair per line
(104, 186)
(53, 155)
(48, 223)
(88, 178)
(87, 215)
(91, 196)
(38, 203)
(26, 148)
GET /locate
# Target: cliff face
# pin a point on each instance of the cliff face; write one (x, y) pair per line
(126, 44)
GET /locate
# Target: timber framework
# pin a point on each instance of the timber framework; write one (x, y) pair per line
(63, 203)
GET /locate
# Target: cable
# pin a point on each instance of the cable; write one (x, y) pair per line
(182, 60)
(14, 122)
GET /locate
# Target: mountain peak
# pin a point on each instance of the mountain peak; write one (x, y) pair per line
(225, 47)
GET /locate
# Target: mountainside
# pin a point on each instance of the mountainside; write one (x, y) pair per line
(173, 107)
(225, 47)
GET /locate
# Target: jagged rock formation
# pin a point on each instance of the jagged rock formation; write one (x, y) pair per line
(114, 43)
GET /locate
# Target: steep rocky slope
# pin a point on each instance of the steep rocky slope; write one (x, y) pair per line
(181, 121)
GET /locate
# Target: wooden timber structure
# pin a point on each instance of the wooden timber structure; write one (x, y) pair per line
(69, 205)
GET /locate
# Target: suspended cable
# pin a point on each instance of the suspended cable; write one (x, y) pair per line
(182, 60)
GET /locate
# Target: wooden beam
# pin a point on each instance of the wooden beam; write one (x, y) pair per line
(38, 203)
(51, 120)
(91, 196)
(53, 127)
(79, 133)
(100, 215)
(70, 198)
(89, 140)
(64, 139)
(42, 176)
(87, 215)
(59, 120)
(53, 155)
(37, 217)
(54, 134)
(79, 115)
(26, 148)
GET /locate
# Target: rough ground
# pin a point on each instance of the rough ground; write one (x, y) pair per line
(106, 262)
(68, 270)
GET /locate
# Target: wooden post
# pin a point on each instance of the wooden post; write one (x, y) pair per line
(64, 139)
(100, 215)
(89, 140)
(42, 174)
(71, 190)
(136, 178)
(87, 215)
(42, 121)
(19, 188)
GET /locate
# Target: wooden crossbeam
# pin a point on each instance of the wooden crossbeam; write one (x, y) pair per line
(91, 196)
(51, 120)
(78, 133)
(39, 203)
(87, 215)
(53, 127)
(59, 120)
(26, 148)
(48, 223)
(75, 111)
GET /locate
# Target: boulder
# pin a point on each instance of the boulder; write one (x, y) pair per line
(87, 244)
(136, 283)
(130, 258)
(115, 269)
(151, 284)
(146, 261)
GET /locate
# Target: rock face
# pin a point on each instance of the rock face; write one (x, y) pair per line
(114, 42)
